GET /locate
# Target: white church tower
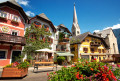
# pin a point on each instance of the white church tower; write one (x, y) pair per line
(75, 25)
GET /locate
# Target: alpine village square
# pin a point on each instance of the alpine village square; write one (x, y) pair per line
(32, 48)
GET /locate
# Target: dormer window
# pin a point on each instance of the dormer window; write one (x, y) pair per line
(3, 14)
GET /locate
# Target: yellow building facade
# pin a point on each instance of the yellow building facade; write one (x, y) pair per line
(89, 47)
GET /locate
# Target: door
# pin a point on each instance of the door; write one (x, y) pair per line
(16, 56)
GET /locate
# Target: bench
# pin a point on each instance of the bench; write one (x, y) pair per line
(36, 64)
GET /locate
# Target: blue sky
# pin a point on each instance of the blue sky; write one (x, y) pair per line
(93, 15)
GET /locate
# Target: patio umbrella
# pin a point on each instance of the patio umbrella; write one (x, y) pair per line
(45, 50)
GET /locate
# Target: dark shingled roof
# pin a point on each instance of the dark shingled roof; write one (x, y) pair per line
(103, 33)
(14, 2)
(63, 26)
(81, 37)
(44, 16)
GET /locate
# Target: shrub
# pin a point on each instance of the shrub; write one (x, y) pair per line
(60, 60)
(24, 64)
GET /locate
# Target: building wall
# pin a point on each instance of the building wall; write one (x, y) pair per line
(7, 26)
(8, 22)
(50, 29)
(4, 62)
(75, 52)
(113, 43)
(86, 44)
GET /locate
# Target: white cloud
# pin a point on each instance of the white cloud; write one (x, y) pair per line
(113, 27)
(23, 2)
(3, 1)
(96, 30)
(29, 13)
(117, 26)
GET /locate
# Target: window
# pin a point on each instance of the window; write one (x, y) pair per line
(85, 50)
(56, 36)
(15, 18)
(103, 50)
(92, 50)
(87, 40)
(45, 26)
(3, 14)
(14, 33)
(99, 50)
(77, 32)
(37, 23)
(2, 54)
(59, 29)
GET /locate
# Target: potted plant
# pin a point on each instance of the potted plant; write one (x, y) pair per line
(15, 69)
(60, 60)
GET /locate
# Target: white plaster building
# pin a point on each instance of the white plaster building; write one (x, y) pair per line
(111, 41)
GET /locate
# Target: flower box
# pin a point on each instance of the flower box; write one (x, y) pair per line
(14, 72)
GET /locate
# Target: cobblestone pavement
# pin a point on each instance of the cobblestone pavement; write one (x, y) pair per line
(41, 75)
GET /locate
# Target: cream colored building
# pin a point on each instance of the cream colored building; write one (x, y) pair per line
(111, 41)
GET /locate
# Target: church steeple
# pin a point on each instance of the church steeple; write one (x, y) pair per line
(75, 26)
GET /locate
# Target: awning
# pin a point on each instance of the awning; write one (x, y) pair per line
(64, 54)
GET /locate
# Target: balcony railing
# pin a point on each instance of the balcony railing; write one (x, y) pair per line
(95, 43)
(11, 39)
(63, 41)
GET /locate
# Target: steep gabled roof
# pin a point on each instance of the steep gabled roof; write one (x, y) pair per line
(14, 2)
(44, 16)
(81, 37)
(63, 26)
(104, 33)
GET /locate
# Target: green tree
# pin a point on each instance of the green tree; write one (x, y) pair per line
(39, 40)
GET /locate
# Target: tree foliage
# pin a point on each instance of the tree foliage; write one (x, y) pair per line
(39, 40)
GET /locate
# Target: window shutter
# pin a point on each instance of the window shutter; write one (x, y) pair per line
(7, 15)
(12, 17)
(19, 19)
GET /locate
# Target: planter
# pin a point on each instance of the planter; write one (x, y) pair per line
(14, 72)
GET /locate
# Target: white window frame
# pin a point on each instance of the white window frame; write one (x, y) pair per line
(15, 31)
(15, 18)
(3, 14)
(5, 53)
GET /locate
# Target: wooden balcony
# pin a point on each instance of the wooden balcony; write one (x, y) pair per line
(11, 39)
(63, 42)
(95, 43)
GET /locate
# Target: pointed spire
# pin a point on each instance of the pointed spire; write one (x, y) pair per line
(75, 26)
(75, 16)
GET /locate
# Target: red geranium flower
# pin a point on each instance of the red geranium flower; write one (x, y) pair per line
(91, 69)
